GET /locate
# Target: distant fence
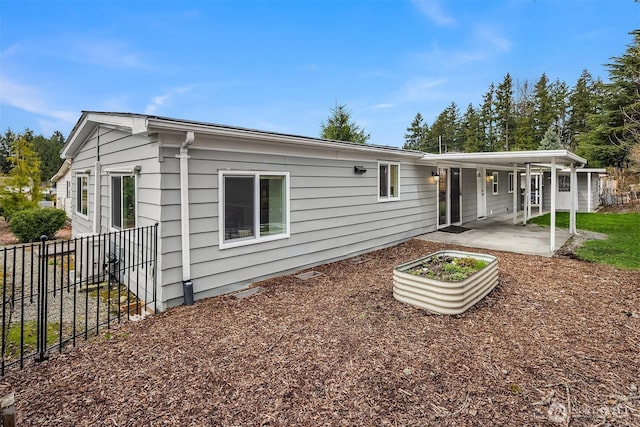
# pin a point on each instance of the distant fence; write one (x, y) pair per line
(609, 198)
(55, 292)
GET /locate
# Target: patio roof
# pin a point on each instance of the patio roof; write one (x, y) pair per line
(508, 159)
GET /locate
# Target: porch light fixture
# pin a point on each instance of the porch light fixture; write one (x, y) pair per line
(435, 174)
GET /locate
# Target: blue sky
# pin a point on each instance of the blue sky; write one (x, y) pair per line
(282, 65)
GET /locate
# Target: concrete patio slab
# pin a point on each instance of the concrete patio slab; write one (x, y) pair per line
(499, 233)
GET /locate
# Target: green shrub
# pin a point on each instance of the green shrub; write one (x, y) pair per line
(28, 225)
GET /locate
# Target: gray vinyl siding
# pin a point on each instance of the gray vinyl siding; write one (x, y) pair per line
(334, 214)
(469, 196)
(503, 201)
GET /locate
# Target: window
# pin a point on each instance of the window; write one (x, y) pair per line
(511, 183)
(564, 183)
(123, 201)
(388, 181)
(254, 208)
(82, 194)
(494, 182)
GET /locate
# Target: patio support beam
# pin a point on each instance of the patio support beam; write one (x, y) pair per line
(589, 199)
(554, 191)
(574, 199)
(540, 191)
(527, 195)
(515, 185)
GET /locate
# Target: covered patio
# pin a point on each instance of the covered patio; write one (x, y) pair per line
(501, 234)
(508, 231)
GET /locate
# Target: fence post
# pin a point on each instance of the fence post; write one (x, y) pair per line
(41, 330)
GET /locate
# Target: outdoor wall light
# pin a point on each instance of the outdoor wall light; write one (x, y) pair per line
(359, 169)
(435, 174)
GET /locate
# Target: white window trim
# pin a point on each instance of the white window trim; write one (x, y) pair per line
(258, 239)
(388, 198)
(79, 194)
(494, 182)
(511, 183)
(135, 186)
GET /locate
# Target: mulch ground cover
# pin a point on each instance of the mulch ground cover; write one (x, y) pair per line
(557, 342)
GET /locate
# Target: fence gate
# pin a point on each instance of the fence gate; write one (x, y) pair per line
(56, 292)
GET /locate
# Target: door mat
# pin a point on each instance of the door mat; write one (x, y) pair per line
(454, 229)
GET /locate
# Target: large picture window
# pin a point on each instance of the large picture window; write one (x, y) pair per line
(388, 181)
(254, 208)
(82, 194)
(123, 201)
(511, 182)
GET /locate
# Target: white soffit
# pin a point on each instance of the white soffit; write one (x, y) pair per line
(508, 158)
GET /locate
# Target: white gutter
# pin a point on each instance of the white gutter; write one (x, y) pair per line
(184, 205)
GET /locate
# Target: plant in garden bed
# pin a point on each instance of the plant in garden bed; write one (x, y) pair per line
(447, 268)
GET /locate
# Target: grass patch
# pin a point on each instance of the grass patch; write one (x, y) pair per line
(619, 250)
(30, 337)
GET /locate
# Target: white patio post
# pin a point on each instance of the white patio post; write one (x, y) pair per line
(515, 185)
(589, 199)
(553, 206)
(540, 191)
(527, 195)
(574, 199)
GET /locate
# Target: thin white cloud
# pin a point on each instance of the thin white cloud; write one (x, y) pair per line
(382, 106)
(107, 53)
(432, 10)
(31, 99)
(490, 36)
(165, 99)
(420, 89)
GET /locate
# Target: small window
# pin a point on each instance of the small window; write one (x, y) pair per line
(388, 181)
(564, 183)
(494, 182)
(511, 182)
(123, 201)
(82, 194)
(254, 208)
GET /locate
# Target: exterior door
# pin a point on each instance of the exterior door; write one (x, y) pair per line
(536, 189)
(481, 191)
(449, 200)
(563, 192)
(443, 197)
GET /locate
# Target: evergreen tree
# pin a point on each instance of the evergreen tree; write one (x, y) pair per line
(524, 109)
(487, 119)
(48, 150)
(6, 141)
(581, 105)
(447, 127)
(415, 138)
(503, 112)
(472, 131)
(550, 141)
(543, 108)
(614, 126)
(339, 127)
(559, 93)
(22, 188)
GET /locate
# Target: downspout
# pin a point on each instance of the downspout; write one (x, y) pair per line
(97, 186)
(187, 285)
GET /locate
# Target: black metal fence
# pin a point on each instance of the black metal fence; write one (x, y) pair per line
(56, 292)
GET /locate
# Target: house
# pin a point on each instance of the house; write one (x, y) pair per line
(237, 205)
(62, 182)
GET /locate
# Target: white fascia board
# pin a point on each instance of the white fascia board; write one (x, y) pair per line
(89, 120)
(508, 158)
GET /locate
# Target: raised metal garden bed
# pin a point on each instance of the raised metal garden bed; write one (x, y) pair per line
(444, 297)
